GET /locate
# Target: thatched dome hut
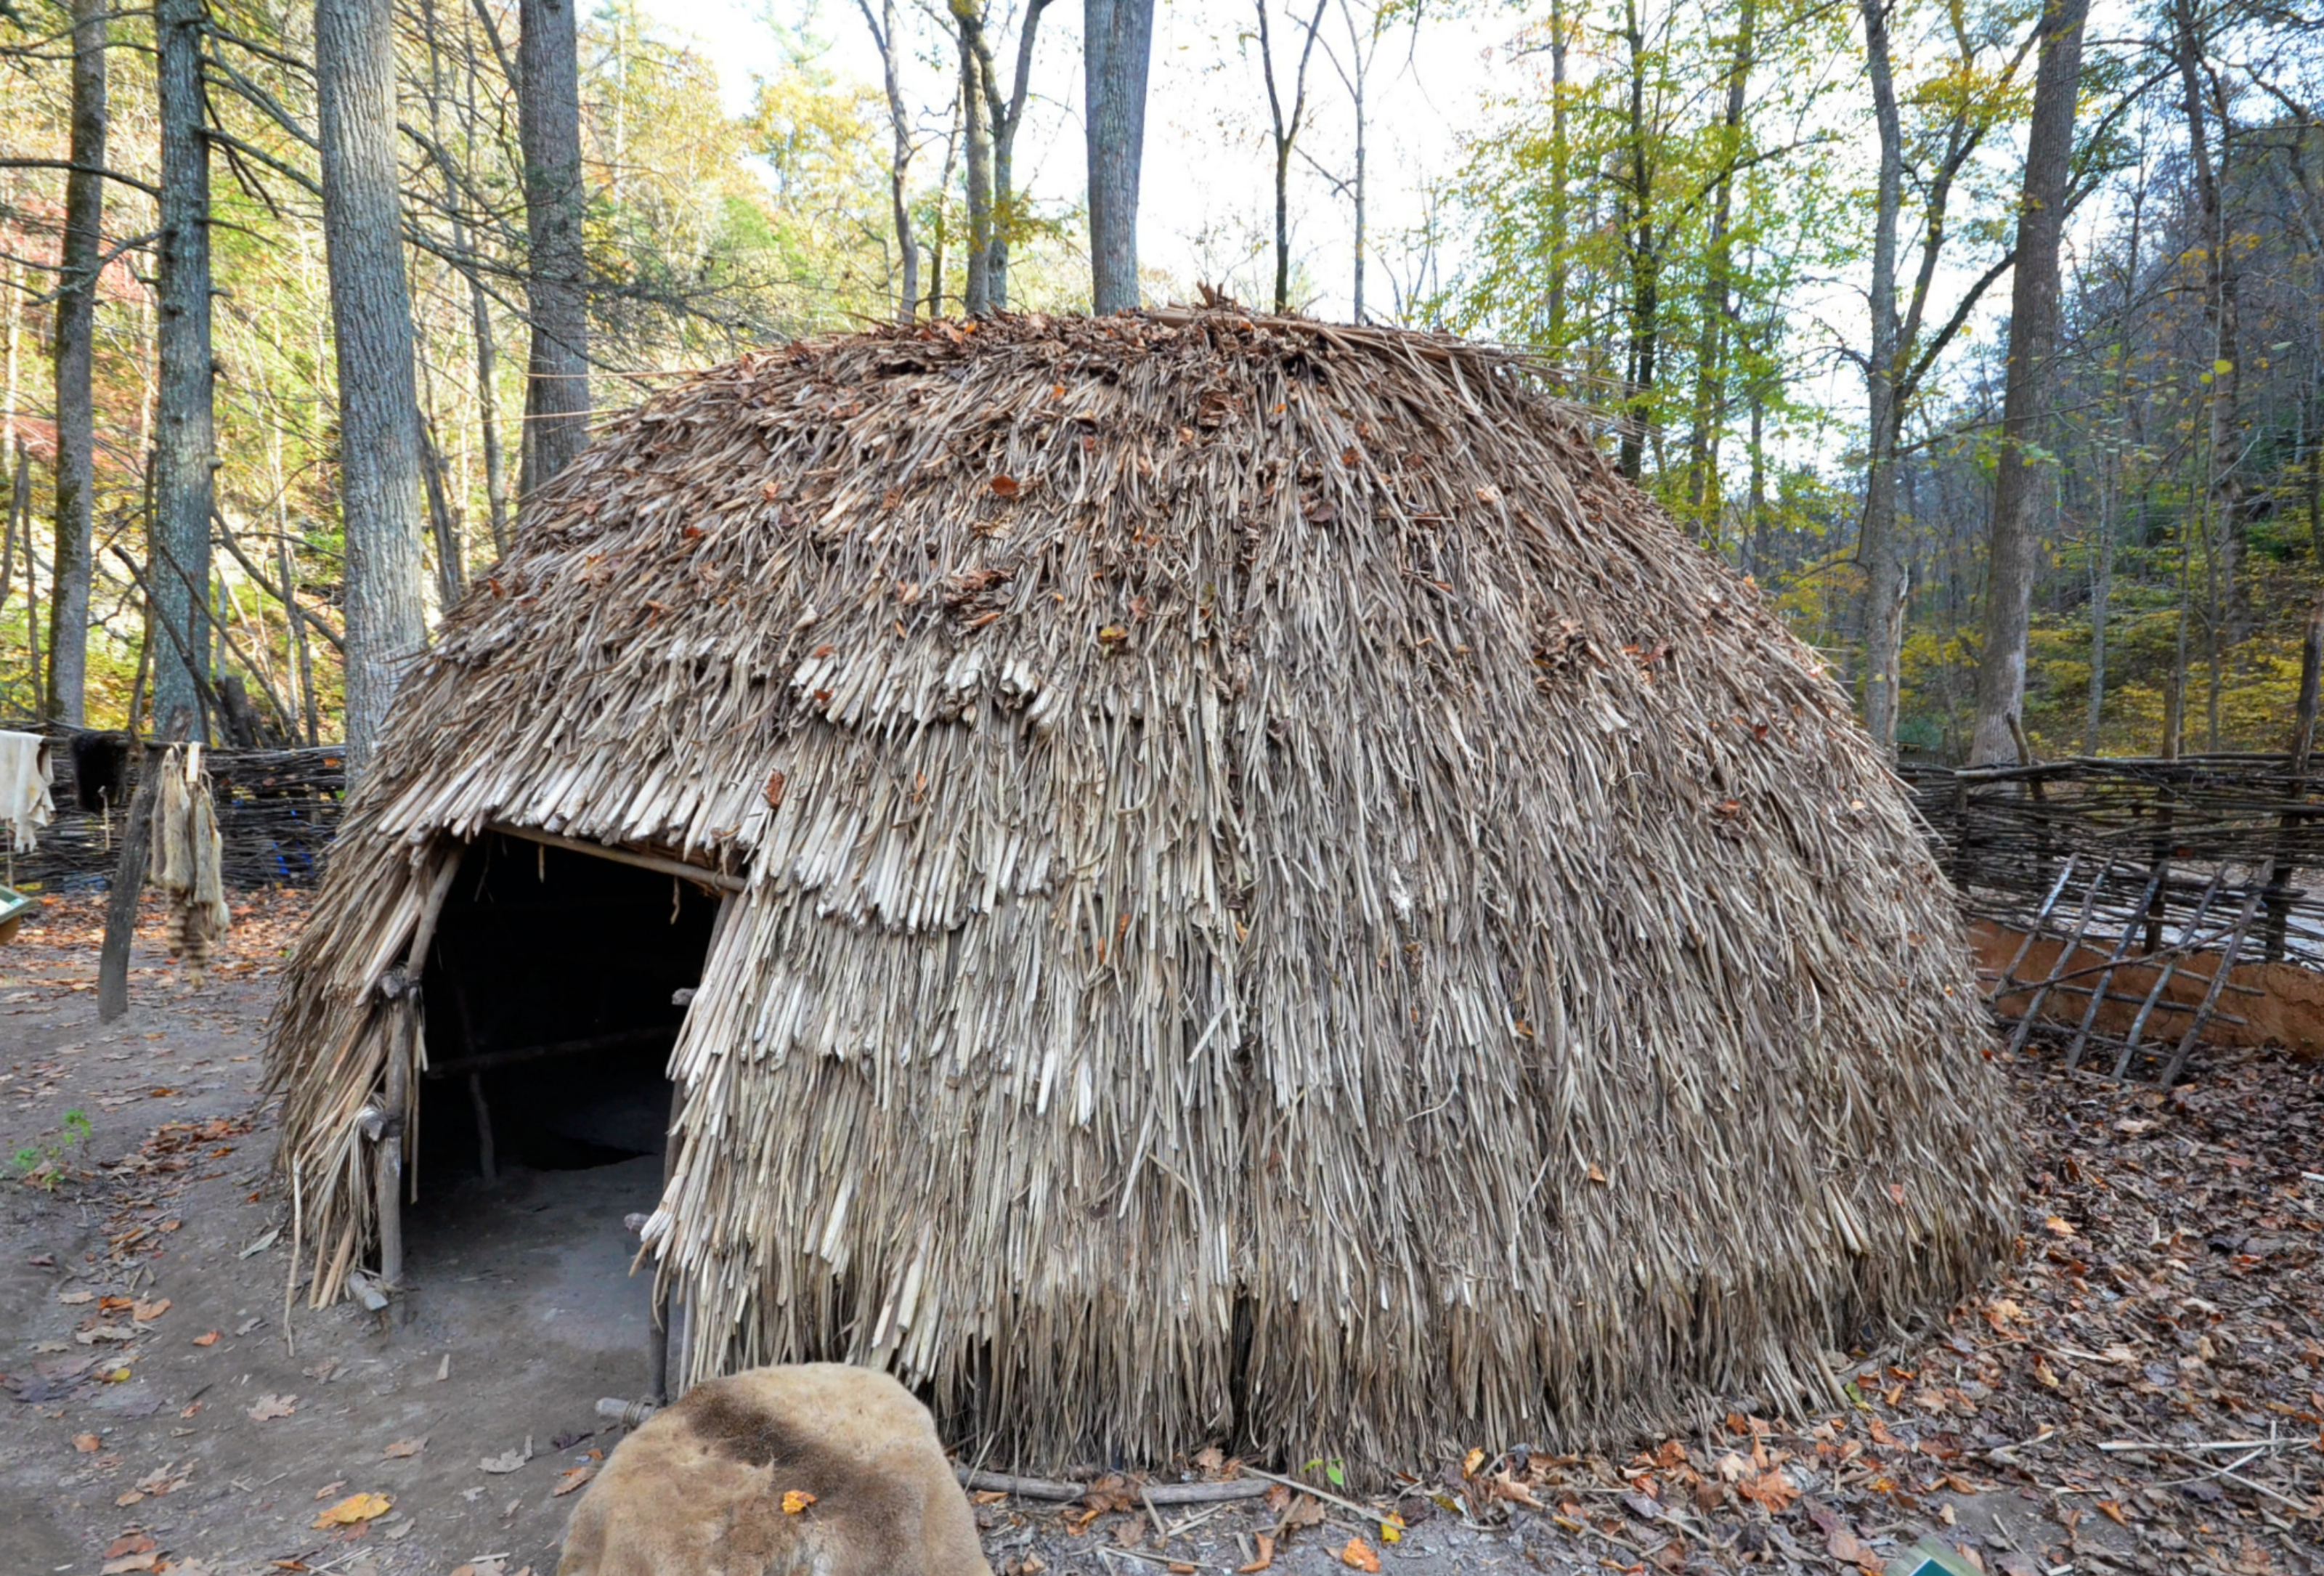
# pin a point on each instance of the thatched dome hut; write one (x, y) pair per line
(1261, 892)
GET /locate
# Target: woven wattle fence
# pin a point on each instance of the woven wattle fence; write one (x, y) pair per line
(277, 810)
(2145, 871)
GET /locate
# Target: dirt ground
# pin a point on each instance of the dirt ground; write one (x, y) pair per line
(173, 1410)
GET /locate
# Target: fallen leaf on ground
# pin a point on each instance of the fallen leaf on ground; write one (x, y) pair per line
(353, 1508)
(331, 1487)
(794, 1499)
(76, 1297)
(1842, 1544)
(572, 1478)
(509, 1460)
(129, 1543)
(87, 1443)
(1358, 1555)
(211, 1338)
(273, 1406)
(406, 1447)
(1266, 1542)
(126, 1564)
(1770, 1488)
(146, 1313)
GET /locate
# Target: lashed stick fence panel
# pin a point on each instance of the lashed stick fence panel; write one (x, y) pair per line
(2136, 863)
(277, 810)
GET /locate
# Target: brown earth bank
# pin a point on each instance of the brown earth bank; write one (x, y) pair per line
(2279, 1004)
(2143, 1391)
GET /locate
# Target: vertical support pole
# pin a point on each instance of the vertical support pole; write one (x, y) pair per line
(658, 1334)
(485, 1161)
(387, 1155)
(401, 987)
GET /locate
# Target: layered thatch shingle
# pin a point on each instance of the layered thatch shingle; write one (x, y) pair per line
(1283, 899)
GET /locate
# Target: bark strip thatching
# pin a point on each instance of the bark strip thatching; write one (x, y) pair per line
(1285, 900)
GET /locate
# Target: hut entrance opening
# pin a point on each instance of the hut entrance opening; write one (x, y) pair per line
(550, 989)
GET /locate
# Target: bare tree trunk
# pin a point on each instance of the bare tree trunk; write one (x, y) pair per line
(1703, 446)
(1560, 158)
(1357, 77)
(2102, 593)
(1286, 134)
(549, 126)
(900, 162)
(939, 230)
(976, 295)
(370, 321)
(76, 328)
(1003, 115)
(2218, 502)
(443, 517)
(2016, 549)
(1645, 261)
(480, 316)
(1755, 530)
(1878, 544)
(184, 441)
(1118, 43)
(488, 414)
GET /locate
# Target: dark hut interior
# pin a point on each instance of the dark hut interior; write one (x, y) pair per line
(550, 1009)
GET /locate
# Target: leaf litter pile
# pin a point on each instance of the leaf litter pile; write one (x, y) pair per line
(2142, 1391)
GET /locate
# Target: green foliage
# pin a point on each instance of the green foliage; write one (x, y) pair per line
(41, 1163)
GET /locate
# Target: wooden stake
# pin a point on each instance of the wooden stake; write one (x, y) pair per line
(483, 1130)
(129, 881)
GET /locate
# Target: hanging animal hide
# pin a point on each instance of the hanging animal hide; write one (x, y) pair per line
(187, 850)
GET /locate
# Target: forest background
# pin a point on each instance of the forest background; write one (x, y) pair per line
(1772, 240)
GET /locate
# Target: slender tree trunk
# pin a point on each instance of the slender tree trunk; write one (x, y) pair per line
(15, 332)
(2102, 593)
(443, 518)
(1117, 45)
(1004, 115)
(488, 414)
(899, 160)
(1358, 78)
(480, 315)
(2015, 553)
(76, 329)
(549, 126)
(1754, 560)
(939, 231)
(184, 442)
(1879, 545)
(1560, 158)
(977, 295)
(1646, 268)
(2316, 464)
(2215, 498)
(1286, 135)
(380, 456)
(1703, 446)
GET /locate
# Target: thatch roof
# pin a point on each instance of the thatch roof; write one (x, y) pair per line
(1283, 899)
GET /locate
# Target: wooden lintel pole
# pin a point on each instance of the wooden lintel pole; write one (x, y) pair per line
(702, 875)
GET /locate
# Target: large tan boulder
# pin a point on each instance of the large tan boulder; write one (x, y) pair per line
(702, 1488)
